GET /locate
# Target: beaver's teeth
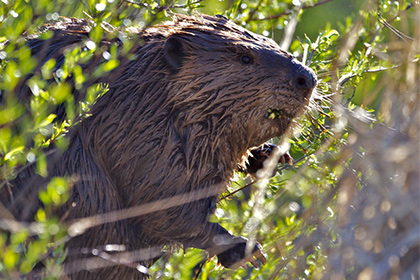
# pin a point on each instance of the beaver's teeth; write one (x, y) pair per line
(272, 116)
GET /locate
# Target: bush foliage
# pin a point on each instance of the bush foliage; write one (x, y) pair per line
(348, 208)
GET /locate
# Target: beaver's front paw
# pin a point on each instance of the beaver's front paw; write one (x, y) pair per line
(235, 256)
(259, 155)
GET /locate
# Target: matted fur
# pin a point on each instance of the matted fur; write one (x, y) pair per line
(163, 131)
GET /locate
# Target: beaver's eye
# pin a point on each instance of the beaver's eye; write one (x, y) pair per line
(246, 59)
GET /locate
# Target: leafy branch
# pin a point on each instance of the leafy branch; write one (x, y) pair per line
(285, 13)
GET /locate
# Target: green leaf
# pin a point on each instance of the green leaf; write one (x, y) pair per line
(10, 259)
(13, 152)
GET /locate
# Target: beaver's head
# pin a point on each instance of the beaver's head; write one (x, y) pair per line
(201, 86)
(222, 75)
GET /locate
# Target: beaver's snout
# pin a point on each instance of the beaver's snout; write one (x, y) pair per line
(300, 78)
(304, 79)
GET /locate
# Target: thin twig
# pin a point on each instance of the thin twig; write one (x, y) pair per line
(240, 189)
(255, 181)
(288, 12)
(398, 33)
(251, 15)
(344, 80)
(161, 8)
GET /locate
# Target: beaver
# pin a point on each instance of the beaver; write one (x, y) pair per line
(179, 116)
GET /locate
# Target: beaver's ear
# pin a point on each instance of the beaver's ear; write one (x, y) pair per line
(174, 52)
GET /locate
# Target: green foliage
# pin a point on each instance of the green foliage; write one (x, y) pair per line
(298, 216)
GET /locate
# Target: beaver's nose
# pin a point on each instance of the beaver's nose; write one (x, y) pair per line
(304, 78)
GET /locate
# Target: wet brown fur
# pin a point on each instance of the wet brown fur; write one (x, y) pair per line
(163, 131)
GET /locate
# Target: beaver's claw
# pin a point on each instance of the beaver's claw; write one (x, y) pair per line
(257, 258)
(286, 158)
(235, 257)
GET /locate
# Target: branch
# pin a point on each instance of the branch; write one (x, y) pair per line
(255, 181)
(398, 33)
(345, 79)
(161, 8)
(251, 15)
(288, 12)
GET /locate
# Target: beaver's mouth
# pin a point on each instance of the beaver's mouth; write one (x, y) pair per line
(276, 113)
